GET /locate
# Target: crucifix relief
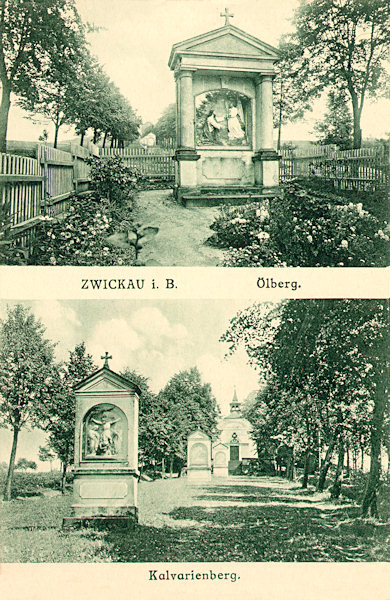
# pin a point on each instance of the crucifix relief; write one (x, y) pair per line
(227, 16)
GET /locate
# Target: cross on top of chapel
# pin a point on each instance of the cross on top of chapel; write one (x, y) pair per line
(227, 16)
(106, 358)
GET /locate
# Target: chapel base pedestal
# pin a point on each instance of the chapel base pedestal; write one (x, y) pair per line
(226, 177)
(111, 523)
(108, 496)
(266, 169)
(198, 475)
(220, 472)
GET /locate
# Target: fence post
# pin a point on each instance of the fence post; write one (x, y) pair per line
(42, 157)
(75, 173)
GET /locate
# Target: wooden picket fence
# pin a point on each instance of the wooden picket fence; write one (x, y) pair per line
(41, 186)
(366, 169)
(154, 163)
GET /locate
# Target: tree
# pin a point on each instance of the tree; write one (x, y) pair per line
(346, 44)
(294, 87)
(333, 376)
(165, 127)
(45, 454)
(153, 423)
(56, 92)
(32, 34)
(26, 375)
(336, 126)
(188, 404)
(23, 464)
(57, 416)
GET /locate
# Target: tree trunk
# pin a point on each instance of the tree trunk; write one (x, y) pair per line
(105, 139)
(336, 487)
(326, 464)
(4, 112)
(57, 126)
(354, 460)
(361, 458)
(291, 466)
(82, 138)
(163, 468)
(10, 474)
(171, 467)
(63, 478)
(369, 503)
(305, 479)
(357, 132)
(348, 465)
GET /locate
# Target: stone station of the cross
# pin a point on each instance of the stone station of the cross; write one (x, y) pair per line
(106, 451)
(225, 150)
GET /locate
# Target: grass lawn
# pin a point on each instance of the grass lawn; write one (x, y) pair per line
(240, 519)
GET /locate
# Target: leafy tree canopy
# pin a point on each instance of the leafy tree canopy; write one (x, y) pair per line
(345, 45)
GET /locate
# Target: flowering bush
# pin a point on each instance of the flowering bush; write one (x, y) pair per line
(301, 229)
(111, 178)
(80, 238)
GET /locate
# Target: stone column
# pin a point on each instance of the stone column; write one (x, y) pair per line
(266, 160)
(187, 116)
(265, 140)
(186, 155)
(258, 113)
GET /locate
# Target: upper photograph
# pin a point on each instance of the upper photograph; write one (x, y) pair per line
(168, 133)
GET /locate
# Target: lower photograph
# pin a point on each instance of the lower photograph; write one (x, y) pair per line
(194, 431)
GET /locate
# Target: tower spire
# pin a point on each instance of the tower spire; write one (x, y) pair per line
(235, 403)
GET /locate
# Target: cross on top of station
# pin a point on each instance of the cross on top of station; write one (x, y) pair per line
(227, 16)
(106, 358)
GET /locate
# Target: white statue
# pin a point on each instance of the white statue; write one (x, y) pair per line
(235, 130)
(93, 438)
(106, 436)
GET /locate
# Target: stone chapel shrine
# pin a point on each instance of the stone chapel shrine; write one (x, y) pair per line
(225, 150)
(235, 436)
(106, 450)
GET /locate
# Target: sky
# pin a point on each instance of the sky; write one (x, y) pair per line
(156, 338)
(134, 39)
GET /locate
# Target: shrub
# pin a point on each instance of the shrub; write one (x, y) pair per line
(301, 229)
(81, 237)
(32, 484)
(111, 178)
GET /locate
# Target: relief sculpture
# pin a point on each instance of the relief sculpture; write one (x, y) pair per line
(103, 431)
(221, 118)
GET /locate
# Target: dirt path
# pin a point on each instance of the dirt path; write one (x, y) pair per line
(182, 232)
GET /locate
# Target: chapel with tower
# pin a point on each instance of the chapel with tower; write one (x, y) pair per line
(225, 148)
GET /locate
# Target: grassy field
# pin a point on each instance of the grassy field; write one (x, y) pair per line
(240, 519)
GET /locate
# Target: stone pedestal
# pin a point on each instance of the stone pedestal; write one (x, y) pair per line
(224, 117)
(198, 457)
(220, 460)
(106, 452)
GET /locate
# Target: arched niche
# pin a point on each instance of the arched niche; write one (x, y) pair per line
(104, 433)
(199, 455)
(223, 118)
(220, 459)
